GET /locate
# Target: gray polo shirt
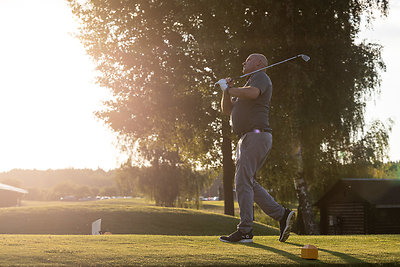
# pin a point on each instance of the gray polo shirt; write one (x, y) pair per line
(250, 114)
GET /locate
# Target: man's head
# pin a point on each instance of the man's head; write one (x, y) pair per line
(254, 62)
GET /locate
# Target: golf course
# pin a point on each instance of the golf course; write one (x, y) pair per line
(132, 132)
(56, 233)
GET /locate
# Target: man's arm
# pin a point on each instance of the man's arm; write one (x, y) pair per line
(226, 103)
(248, 92)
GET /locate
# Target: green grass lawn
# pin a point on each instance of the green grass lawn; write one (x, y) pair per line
(259, 215)
(119, 216)
(161, 250)
(58, 234)
(217, 206)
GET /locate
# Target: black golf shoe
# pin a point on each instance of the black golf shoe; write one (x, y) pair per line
(238, 237)
(285, 225)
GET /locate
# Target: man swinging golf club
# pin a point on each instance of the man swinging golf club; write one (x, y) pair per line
(249, 109)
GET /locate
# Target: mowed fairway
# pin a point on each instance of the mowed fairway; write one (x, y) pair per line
(155, 236)
(159, 250)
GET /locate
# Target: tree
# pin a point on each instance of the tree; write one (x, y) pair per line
(392, 170)
(63, 189)
(160, 99)
(12, 181)
(126, 177)
(172, 186)
(364, 158)
(321, 106)
(108, 191)
(82, 191)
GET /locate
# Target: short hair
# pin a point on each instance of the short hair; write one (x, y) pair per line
(262, 58)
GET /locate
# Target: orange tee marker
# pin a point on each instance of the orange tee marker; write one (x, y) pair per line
(309, 252)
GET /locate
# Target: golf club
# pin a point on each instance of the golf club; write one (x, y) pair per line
(304, 57)
(223, 84)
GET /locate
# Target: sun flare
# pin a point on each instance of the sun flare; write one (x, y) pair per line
(48, 93)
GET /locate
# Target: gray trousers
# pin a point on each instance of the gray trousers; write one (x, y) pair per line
(252, 151)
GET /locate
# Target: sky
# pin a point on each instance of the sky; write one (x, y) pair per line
(48, 93)
(386, 31)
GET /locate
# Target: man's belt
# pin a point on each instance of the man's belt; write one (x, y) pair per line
(265, 130)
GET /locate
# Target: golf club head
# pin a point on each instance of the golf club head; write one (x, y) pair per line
(305, 57)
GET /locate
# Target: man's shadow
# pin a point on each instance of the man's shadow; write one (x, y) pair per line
(347, 258)
(283, 253)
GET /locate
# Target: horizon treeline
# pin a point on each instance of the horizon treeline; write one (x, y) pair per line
(128, 180)
(179, 189)
(46, 185)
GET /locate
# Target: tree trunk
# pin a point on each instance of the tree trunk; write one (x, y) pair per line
(305, 212)
(228, 168)
(305, 208)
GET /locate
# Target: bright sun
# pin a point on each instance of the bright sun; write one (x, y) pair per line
(48, 93)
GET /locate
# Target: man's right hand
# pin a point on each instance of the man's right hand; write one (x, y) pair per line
(230, 81)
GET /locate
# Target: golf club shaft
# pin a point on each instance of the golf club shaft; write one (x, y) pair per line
(270, 66)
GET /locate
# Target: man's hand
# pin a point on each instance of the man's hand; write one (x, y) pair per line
(226, 101)
(229, 81)
(223, 84)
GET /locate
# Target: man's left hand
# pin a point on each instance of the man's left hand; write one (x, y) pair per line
(223, 84)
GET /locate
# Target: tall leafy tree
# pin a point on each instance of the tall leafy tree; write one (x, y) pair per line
(149, 61)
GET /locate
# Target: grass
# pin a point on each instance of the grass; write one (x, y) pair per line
(119, 217)
(259, 215)
(217, 206)
(58, 234)
(161, 250)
